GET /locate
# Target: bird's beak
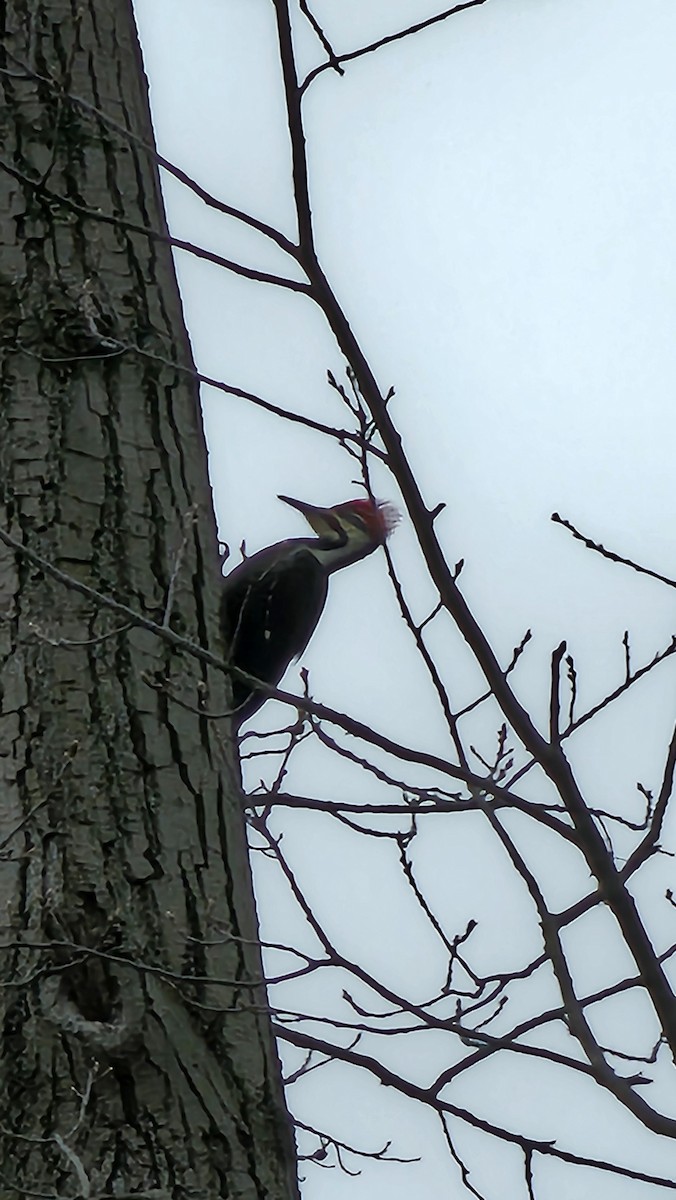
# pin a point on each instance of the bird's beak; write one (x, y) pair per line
(320, 519)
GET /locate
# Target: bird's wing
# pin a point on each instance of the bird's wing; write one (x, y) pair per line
(271, 605)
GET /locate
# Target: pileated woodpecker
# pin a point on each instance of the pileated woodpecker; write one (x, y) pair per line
(272, 601)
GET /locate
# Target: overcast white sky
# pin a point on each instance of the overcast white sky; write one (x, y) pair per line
(495, 206)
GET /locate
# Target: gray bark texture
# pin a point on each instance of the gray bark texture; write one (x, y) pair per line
(136, 1057)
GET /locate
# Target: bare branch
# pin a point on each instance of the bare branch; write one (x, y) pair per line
(389, 39)
(155, 235)
(610, 554)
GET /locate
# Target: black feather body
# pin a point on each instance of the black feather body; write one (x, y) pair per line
(270, 607)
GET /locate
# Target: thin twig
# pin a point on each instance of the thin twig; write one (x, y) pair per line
(388, 40)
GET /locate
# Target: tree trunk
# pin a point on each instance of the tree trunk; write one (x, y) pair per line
(137, 1055)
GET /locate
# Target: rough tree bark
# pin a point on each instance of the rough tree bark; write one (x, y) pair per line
(123, 864)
